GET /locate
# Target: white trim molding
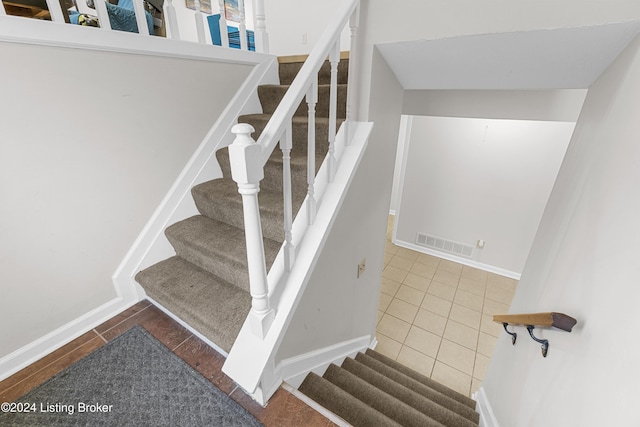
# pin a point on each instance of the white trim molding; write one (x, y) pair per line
(483, 406)
(36, 350)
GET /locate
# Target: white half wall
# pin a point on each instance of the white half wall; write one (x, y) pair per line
(337, 306)
(90, 142)
(583, 262)
(467, 180)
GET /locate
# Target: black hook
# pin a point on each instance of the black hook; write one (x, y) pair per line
(545, 343)
(514, 336)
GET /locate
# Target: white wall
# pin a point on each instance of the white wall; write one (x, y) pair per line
(338, 306)
(542, 105)
(477, 179)
(289, 20)
(584, 262)
(431, 19)
(90, 142)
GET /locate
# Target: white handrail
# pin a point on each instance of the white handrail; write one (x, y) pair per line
(289, 104)
(248, 159)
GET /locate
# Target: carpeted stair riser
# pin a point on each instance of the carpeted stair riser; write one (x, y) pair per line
(220, 199)
(288, 72)
(426, 391)
(398, 411)
(422, 379)
(216, 247)
(341, 403)
(212, 306)
(406, 395)
(271, 95)
(273, 171)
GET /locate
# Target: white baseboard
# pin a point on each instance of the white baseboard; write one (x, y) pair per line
(315, 405)
(483, 406)
(460, 260)
(295, 369)
(36, 350)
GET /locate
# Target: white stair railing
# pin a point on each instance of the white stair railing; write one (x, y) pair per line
(248, 158)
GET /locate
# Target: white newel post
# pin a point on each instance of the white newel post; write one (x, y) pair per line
(242, 27)
(199, 17)
(247, 171)
(312, 100)
(224, 32)
(172, 19)
(260, 27)
(103, 15)
(334, 59)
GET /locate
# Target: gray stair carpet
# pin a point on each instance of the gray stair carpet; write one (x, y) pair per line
(373, 389)
(206, 283)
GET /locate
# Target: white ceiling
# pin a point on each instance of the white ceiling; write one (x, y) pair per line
(567, 58)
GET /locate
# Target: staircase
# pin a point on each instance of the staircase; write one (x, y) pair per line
(206, 283)
(373, 390)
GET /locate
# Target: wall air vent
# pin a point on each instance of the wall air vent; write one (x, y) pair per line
(444, 245)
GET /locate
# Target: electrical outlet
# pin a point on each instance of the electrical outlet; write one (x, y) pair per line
(361, 267)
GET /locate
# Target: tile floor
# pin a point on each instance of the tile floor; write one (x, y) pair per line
(284, 409)
(435, 315)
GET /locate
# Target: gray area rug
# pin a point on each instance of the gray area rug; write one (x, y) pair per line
(132, 381)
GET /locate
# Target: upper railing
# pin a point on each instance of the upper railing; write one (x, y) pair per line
(248, 157)
(546, 320)
(140, 16)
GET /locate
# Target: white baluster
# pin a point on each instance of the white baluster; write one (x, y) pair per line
(242, 28)
(245, 157)
(2, 11)
(285, 145)
(172, 19)
(141, 17)
(224, 32)
(312, 100)
(260, 27)
(354, 23)
(334, 59)
(199, 17)
(103, 15)
(55, 10)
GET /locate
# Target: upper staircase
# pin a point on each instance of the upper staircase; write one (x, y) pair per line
(206, 284)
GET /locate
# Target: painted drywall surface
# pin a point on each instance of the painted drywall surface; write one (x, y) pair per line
(288, 21)
(430, 19)
(90, 142)
(543, 105)
(475, 179)
(583, 262)
(337, 306)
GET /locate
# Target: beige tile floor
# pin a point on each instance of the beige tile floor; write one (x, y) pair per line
(435, 315)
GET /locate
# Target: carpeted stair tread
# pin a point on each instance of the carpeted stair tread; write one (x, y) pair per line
(379, 400)
(216, 247)
(273, 170)
(271, 95)
(288, 72)
(300, 127)
(219, 199)
(341, 403)
(406, 395)
(430, 393)
(212, 306)
(422, 378)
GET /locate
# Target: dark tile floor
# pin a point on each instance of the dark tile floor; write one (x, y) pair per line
(284, 409)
